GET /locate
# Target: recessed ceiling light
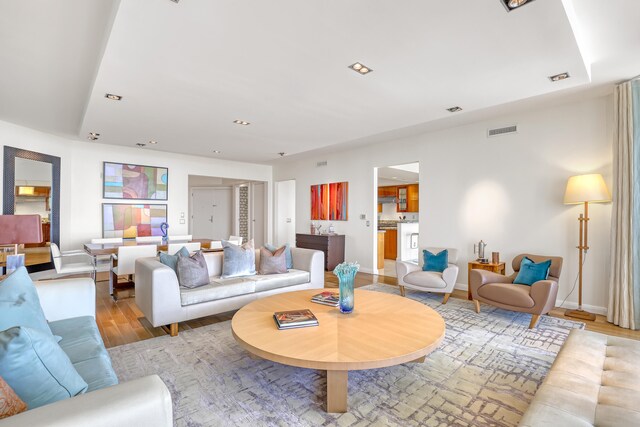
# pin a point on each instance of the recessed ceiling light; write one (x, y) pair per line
(93, 136)
(360, 68)
(113, 97)
(454, 109)
(282, 153)
(140, 144)
(558, 77)
(175, 1)
(217, 151)
(241, 122)
(153, 142)
(514, 4)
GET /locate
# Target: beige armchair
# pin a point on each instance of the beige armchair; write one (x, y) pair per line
(499, 291)
(410, 275)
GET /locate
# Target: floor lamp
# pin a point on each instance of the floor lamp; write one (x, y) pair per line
(584, 189)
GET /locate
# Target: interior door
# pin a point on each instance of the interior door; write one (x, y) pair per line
(258, 213)
(212, 213)
(285, 212)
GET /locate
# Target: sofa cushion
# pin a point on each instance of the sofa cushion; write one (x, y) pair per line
(218, 288)
(192, 270)
(238, 260)
(435, 262)
(19, 303)
(81, 341)
(531, 272)
(274, 281)
(428, 279)
(507, 293)
(172, 260)
(287, 253)
(36, 367)
(272, 262)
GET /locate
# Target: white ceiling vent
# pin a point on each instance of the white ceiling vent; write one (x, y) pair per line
(502, 131)
(322, 163)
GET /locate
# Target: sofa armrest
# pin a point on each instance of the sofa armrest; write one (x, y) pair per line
(312, 261)
(544, 294)
(403, 268)
(158, 292)
(450, 275)
(142, 402)
(67, 298)
(478, 278)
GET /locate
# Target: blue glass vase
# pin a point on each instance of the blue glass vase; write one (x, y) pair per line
(346, 273)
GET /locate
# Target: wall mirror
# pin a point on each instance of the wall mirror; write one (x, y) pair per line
(31, 185)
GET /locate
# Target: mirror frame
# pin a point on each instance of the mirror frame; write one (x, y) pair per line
(8, 195)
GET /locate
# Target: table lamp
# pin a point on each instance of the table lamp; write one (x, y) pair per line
(585, 189)
(16, 230)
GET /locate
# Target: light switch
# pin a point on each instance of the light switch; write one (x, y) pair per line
(363, 216)
(181, 221)
(288, 220)
(368, 223)
(182, 215)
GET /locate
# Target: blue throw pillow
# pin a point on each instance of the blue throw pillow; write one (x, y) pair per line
(238, 260)
(287, 253)
(19, 303)
(435, 262)
(36, 367)
(530, 272)
(172, 260)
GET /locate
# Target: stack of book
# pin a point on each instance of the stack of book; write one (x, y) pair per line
(295, 319)
(327, 298)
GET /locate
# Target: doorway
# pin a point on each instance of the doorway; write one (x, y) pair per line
(398, 215)
(212, 213)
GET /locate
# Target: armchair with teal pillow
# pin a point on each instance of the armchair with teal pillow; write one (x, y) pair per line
(532, 288)
(436, 272)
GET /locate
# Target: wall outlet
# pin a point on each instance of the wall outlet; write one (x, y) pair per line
(181, 214)
(181, 221)
(363, 216)
(368, 223)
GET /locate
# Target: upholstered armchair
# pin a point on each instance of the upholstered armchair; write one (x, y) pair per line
(499, 291)
(411, 276)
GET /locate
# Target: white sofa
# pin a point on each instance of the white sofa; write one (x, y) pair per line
(142, 402)
(165, 303)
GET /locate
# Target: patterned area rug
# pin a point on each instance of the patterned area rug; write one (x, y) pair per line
(485, 373)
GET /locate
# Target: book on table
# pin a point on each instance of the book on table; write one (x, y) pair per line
(295, 319)
(327, 298)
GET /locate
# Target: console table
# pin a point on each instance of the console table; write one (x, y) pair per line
(331, 244)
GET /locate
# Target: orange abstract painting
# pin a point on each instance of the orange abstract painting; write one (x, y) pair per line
(320, 202)
(338, 201)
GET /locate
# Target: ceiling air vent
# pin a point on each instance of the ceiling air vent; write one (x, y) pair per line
(502, 131)
(322, 163)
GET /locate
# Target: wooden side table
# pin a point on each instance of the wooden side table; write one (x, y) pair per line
(495, 268)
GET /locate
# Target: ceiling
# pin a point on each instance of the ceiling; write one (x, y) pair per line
(398, 175)
(187, 70)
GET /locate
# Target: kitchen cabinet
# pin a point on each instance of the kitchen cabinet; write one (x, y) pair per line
(381, 234)
(402, 199)
(389, 191)
(391, 244)
(331, 244)
(413, 198)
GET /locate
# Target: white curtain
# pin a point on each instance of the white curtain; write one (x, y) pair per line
(624, 279)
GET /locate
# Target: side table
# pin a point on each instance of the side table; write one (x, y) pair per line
(495, 268)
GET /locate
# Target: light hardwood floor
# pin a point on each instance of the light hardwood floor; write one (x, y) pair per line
(122, 322)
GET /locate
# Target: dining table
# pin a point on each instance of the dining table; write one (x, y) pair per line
(96, 249)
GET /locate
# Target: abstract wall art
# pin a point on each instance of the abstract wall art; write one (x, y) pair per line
(338, 201)
(130, 221)
(320, 202)
(122, 181)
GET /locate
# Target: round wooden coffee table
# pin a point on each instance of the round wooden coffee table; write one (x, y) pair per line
(383, 330)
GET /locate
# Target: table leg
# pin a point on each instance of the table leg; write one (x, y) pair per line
(419, 360)
(337, 391)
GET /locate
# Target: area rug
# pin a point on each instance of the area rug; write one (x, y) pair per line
(485, 373)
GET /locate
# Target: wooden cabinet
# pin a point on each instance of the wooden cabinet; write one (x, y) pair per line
(331, 245)
(413, 198)
(381, 249)
(391, 244)
(389, 191)
(402, 199)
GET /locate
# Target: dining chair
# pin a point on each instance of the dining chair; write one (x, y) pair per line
(215, 244)
(175, 247)
(183, 238)
(124, 263)
(64, 268)
(149, 239)
(107, 241)
(102, 262)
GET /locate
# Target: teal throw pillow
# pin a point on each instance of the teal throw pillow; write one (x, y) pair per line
(238, 261)
(19, 303)
(530, 272)
(435, 262)
(172, 260)
(287, 253)
(36, 367)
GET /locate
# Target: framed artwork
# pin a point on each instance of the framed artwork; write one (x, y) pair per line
(338, 201)
(320, 202)
(130, 221)
(137, 182)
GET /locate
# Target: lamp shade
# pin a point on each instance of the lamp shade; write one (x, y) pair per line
(586, 188)
(18, 229)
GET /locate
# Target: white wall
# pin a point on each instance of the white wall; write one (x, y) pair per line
(81, 178)
(285, 215)
(506, 190)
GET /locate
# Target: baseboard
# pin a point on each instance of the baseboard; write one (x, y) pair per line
(461, 286)
(590, 308)
(369, 270)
